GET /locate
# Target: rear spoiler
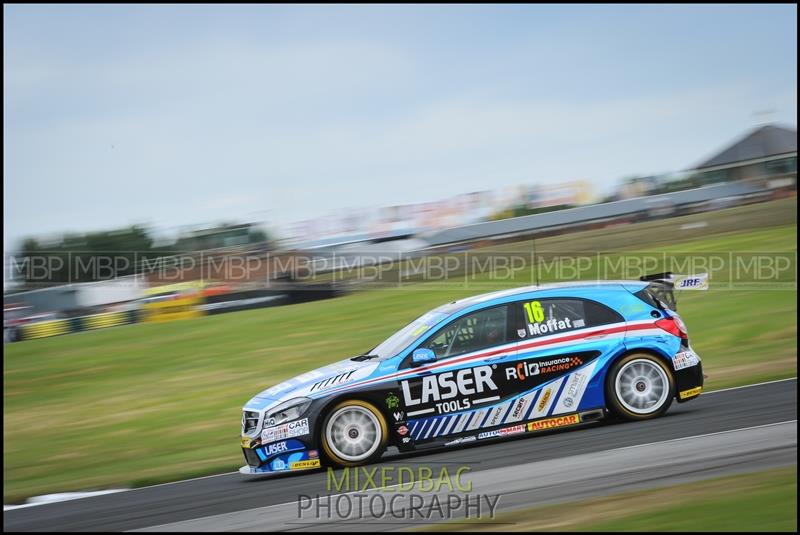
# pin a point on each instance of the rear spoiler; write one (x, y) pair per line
(663, 285)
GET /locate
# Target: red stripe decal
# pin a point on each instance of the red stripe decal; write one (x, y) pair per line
(529, 345)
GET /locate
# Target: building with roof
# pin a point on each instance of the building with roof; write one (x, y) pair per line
(765, 155)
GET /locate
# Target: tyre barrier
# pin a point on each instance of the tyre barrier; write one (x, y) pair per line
(46, 329)
(172, 309)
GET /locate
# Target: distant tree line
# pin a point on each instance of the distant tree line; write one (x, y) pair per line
(114, 253)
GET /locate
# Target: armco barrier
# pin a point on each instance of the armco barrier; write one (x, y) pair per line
(246, 300)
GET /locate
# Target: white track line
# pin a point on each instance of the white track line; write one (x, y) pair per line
(705, 435)
(11, 507)
(754, 384)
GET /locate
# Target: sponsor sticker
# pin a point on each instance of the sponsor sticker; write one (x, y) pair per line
(525, 370)
(304, 465)
(692, 282)
(278, 464)
(497, 412)
(313, 454)
(552, 423)
(513, 430)
(278, 447)
(488, 434)
(576, 385)
(685, 359)
(246, 442)
(450, 385)
(398, 416)
(402, 430)
(545, 398)
(691, 392)
(519, 408)
(297, 428)
(392, 401)
(461, 440)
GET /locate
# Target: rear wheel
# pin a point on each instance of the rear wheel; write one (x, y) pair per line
(640, 387)
(354, 433)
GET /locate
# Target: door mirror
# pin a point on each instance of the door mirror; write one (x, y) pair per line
(422, 356)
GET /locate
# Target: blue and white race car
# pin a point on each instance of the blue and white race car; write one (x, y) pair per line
(487, 367)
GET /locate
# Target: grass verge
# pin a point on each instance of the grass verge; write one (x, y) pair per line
(756, 502)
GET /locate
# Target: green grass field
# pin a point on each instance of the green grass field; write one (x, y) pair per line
(756, 502)
(156, 402)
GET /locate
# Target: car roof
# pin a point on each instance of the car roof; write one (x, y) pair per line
(461, 304)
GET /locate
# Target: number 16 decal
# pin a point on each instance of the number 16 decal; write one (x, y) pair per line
(535, 312)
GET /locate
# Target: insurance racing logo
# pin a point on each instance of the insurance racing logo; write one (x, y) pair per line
(528, 369)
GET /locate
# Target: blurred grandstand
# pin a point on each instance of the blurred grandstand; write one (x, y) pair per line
(235, 266)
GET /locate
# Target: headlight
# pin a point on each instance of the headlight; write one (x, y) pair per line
(289, 410)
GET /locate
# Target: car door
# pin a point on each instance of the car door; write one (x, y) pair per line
(563, 342)
(469, 350)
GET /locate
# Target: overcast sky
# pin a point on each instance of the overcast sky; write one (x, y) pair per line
(174, 115)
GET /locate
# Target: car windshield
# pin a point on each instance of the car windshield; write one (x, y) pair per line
(407, 335)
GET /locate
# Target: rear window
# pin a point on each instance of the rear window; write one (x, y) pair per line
(658, 295)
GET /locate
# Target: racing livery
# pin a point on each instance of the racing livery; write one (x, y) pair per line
(488, 367)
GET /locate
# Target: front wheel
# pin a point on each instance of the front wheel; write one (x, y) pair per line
(640, 387)
(354, 433)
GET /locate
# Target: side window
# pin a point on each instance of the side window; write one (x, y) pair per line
(597, 314)
(479, 330)
(543, 317)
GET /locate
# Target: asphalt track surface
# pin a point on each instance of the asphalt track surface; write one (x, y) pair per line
(209, 502)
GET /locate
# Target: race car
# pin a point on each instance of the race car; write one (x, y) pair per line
(488, 367)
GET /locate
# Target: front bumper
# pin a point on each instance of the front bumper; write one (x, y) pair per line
(282, 456)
